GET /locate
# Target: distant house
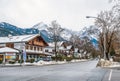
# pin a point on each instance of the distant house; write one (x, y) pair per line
(33, 45)
(50, 48)
(70, 50)
(62, 48)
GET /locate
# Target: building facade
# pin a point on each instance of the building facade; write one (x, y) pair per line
(33, 45)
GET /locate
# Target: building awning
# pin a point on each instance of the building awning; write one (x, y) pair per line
(7, 49)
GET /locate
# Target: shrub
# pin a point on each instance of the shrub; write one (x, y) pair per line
(32, 60)
(69, 58)
(11, 62)
(1, 61)
(116, 59)
(53, 58)
(27, 60)
(59, 58)
(20, 61)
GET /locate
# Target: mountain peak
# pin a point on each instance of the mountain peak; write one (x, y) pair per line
(4, 23)
(40, 26)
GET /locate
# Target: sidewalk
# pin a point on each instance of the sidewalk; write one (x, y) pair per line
(16, 65)
(10, 65)
(40, 63)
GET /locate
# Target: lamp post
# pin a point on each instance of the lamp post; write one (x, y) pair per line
(104, 33)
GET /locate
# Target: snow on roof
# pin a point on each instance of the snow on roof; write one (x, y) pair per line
(69, 47)
(52, 44)
(7, 49)
(20, 38)
(76, 49)
(61, 48)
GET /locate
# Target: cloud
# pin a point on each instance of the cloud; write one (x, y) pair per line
(68, 13)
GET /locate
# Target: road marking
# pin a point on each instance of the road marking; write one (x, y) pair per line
(110, 75)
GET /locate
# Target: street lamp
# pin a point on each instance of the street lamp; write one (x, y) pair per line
(104, 32)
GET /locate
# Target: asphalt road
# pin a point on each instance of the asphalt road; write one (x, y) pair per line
(113, 74)
(81, 71)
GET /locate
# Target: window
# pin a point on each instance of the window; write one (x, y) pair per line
(27, 47)
(35, 48)
(40, 48)
(11, 45)
(31, 47)
(46, 50)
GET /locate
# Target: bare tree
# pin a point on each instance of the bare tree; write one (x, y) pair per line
(108, 20)
(75, 40)
(87, 46)
(56, 30)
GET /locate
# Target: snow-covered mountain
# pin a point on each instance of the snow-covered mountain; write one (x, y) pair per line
(14, 30)
(8, 28)
(67, 33)
(90, 32)
(42, 28)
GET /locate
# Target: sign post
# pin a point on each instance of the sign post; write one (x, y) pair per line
(23, 52)
(24, 55)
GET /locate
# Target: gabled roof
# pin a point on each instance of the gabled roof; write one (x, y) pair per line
(69, 47)
(20, 38)
(7, 49)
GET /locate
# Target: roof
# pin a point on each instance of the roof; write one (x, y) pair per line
(69, 47)
(52, 44)
(76, 49)
(7, 49)
(61, 48)
(20, 38)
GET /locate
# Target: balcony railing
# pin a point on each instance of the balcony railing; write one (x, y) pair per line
(33, 51)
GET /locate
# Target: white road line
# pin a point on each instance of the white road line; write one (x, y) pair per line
(110, 75)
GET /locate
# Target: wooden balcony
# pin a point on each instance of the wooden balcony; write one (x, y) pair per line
(34, 49)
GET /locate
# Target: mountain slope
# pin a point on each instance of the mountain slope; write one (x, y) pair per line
(42, 29)
(6, 29)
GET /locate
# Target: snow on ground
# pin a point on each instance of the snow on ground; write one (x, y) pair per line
(54, 62)
(49, 62)
(115, 64)
(41, 62)
(79, 60)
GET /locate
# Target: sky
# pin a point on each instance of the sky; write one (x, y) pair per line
(69, 14)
